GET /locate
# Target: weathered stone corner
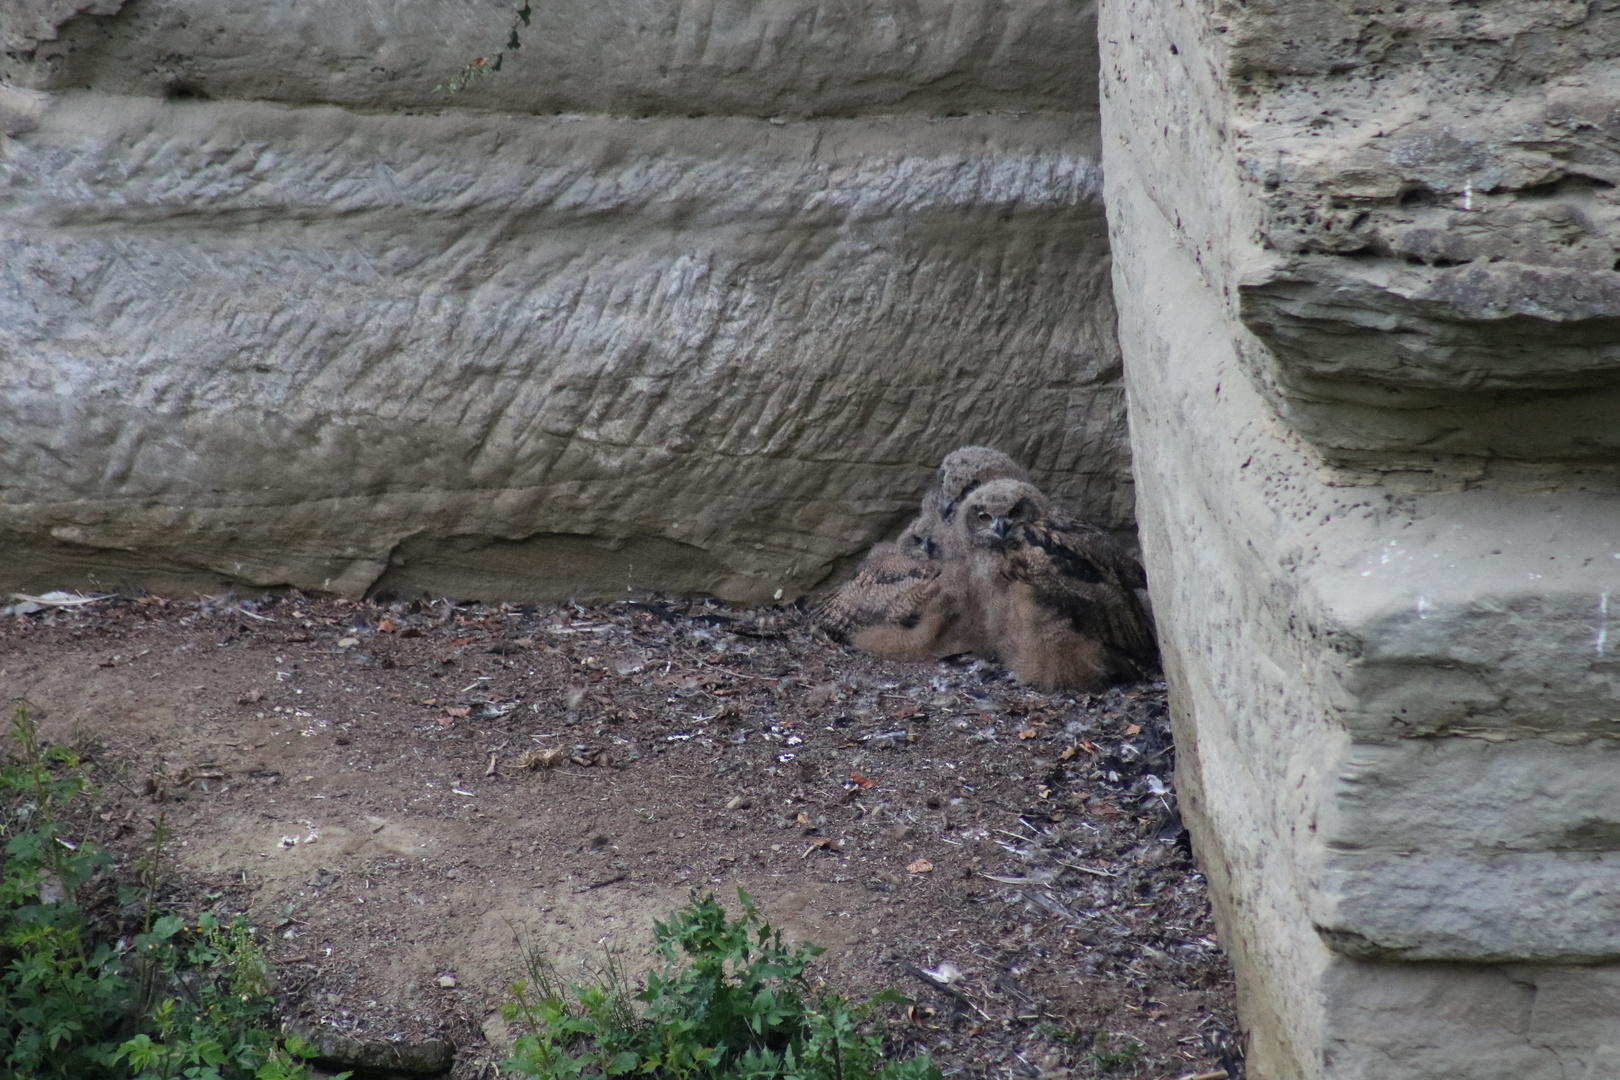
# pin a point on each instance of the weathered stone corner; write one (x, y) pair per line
(1364, 266)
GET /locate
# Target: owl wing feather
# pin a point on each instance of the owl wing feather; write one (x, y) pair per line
(1080, 573)
(890, 586)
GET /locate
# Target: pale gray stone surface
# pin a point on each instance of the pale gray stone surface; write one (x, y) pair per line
(26, 24)
(1392, 671)
(267, 339)
(21, 109)
(1426, 247)
(1478, 1022)
(630, 57)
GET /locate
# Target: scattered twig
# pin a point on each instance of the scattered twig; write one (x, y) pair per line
(728, 671)
(1086, 869)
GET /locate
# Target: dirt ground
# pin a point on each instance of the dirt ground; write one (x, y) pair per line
(393, 792)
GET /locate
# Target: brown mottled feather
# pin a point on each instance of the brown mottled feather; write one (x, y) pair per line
(938, 623)
(1046, 555)
(888, 578)
(900, 605)
(1058, 596)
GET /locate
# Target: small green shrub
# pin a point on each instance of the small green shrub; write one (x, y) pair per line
(180, 1002)
(1109, 1058)
(220, 1027)
(58, 995)
(730, 1002)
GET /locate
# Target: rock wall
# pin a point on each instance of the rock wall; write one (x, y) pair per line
(688, 297)
(1365, 266)
(691, 296)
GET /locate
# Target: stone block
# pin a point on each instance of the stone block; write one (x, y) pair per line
(1393, 680)
(492, 354)
(759, 58)
(1423, 247)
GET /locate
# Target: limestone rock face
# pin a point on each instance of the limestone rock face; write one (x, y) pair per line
(273, 312)
(626, 57)
(1430, 210)
(1364, 262)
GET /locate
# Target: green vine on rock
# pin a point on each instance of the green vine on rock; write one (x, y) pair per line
(480, 66)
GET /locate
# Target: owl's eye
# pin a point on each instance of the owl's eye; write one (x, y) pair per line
(984, 515)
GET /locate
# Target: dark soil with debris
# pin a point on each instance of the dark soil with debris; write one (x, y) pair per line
(392, 793)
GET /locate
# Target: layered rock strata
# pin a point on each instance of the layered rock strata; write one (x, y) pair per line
(688, 298)
(1365, 268)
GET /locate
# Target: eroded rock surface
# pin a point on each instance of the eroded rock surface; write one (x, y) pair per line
(290, 319)
(627, 57)
(1364, 267)
(1417, 207)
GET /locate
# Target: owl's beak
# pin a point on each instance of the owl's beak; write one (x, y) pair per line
(1000, 527)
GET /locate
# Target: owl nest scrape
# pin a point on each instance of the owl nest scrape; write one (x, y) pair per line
(391, 791)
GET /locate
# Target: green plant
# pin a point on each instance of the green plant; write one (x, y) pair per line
(1109, 1058)
(485, 65)
(1055, 1032)
(220, 1027)
(195, 999)
(58, 995)
(730, 1002)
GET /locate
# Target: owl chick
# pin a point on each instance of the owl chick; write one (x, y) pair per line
(903, 605)
(963, 470)
(904, 602)
(1056, 596)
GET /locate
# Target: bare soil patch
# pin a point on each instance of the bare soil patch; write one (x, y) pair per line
(392, 791)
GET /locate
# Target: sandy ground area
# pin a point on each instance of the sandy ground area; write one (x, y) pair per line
(393, 793)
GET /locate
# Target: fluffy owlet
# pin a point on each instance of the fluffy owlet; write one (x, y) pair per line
(1057, 597)
(911, 599)
(907, 600)
(962, 471)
